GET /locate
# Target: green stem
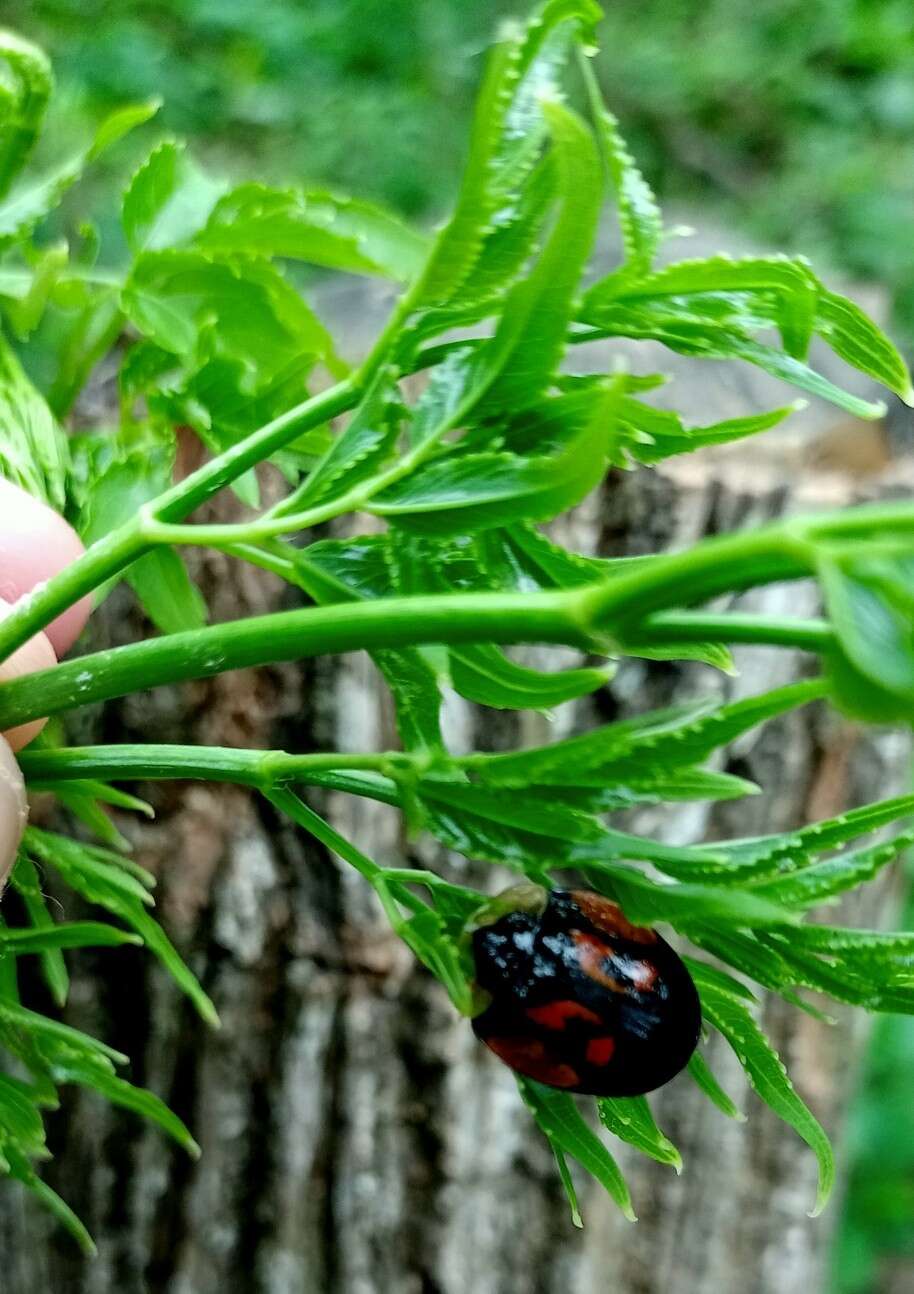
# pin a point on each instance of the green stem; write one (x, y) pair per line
(293, 635)
(285, 520)
(737, 627)
(187, 495)
(725, 565)
(124, 545)
(559, 617)
(260, 768)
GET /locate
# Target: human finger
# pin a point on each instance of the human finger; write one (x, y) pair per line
(36, 543)
(32, 656)
(13, 810)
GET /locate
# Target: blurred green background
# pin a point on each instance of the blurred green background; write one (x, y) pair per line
(792, 120)
(795, 119)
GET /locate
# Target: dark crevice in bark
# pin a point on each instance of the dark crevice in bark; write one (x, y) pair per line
(171, 1220)
(261, 1136)
(418, 1026)
(328, 1155)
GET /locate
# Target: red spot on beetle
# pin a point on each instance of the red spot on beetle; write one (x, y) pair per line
(608, 917)
(600, 1050)
(529, 1057)
(554, 1015)
(592, 955)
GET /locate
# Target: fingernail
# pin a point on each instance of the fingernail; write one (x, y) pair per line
(14, 810)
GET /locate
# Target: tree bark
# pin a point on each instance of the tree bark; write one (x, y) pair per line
(356, 1139)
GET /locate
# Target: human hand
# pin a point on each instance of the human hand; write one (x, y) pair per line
(35, 543)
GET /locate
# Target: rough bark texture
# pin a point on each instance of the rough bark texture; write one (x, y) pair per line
(356, 1140)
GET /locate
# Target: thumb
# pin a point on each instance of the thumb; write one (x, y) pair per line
(13, 810)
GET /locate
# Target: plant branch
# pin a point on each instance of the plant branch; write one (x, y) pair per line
(725, 565)
(123, 546)
(258, 768)
(293, 635)
(601, 616)
(737, 627)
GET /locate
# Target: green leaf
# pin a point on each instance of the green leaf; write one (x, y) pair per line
(871, 607)
(753, 291)
(687, 333)
(595, 793)
(120, 123)
(86, 868)
(556, 1115)
(25, 88)
(442, 400)
(241, 310)
(30, 200)
(683, 905)
(20, 1116)
(878, 947)
(822, 882)
(168, 199)
(119, 481)
(119, 1092)
(171, 599)
(427, 936)
(42, 282)
(639, 215)
(746, 951)
(531, 335)
(853, 335)
(777, 289)
(787, 850)
(700, 1072)
(16, 1017)
(25, 881)
(122, 894)
(484, 674)
(223, 399)
(333, 571)
(93, 331)
(547, 565)
(630, 1118)
(80, 800)
(71, 934)
(119, 488)
(515, 236)
(857, 696)
(768, 1077)
(568, 1186)
(462, 493)
(22, 1171)
(703, 973)
(717, 655)
(158, 943)
(676, 737)
(357, 454)
(101, 791)
(508, 129)
(33, 449)
(316, 226)
(879, 982)
(651, 435)
(543, 818)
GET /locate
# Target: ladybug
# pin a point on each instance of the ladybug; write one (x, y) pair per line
(578, 998)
